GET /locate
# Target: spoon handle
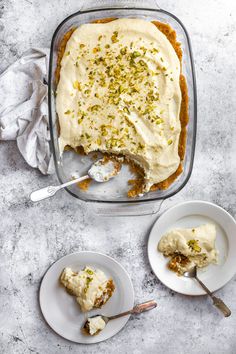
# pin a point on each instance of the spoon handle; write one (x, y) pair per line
(145, 306)
(49, 191)
(216, 301)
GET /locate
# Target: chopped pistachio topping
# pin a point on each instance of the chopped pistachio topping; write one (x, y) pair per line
(123, 51)
(95, 108)
(135, 54)
(68, 111)
(88, 281)
(126, 110)
(89, 271)
(114, 37)
(76, 85)
(159, 121)
(193, 245)
(96, 49)
(99, 141)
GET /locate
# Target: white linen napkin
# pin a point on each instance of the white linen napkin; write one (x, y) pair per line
(24, 108)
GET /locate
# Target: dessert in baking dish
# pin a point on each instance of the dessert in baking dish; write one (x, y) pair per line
(189, 247)
(91, 287)
(121, 92)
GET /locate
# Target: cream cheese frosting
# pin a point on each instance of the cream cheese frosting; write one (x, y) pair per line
(119, 93)
(96, 324)
(197, 244)
(88, 285)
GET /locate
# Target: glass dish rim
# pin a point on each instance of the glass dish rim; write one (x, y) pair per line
(50, 76)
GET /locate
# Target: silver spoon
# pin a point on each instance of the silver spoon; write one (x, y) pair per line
(101, 171)
(145, 306)
(192, 273)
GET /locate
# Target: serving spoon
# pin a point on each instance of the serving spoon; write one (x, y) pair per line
(145, 306)
(192, 273)
(101, 171)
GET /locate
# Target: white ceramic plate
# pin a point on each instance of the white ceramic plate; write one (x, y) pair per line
(192, 214)
(61, 311)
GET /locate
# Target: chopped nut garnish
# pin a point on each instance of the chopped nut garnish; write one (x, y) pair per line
(123, 51)
(99, 141)
(95, 108)
(126, 110)
(89, 271)
(96, 49)
(193, 245)
(68, 112)
(76, 85)
(135, 54)
(114, 38)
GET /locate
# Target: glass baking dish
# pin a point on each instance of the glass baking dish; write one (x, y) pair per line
(110, 198)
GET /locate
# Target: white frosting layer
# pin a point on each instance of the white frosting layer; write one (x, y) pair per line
(119, 92)
(198, 244)
(87, 285)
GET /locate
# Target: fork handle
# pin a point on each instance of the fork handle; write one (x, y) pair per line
(216, 301)
(221, 306)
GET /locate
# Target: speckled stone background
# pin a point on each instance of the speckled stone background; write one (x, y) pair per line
(34, 236)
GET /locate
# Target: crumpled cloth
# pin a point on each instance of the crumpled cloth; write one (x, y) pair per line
(24, 108)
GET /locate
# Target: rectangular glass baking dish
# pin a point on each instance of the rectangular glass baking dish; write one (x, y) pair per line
(110, 198)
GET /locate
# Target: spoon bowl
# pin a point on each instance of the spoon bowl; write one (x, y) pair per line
(104, 169)
(146, 306)
(101, 171)
(191, 273)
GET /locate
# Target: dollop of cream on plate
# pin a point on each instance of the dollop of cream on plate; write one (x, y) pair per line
(96, 324)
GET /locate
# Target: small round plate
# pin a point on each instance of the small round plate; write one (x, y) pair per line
(187, 215)
(62, 312)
